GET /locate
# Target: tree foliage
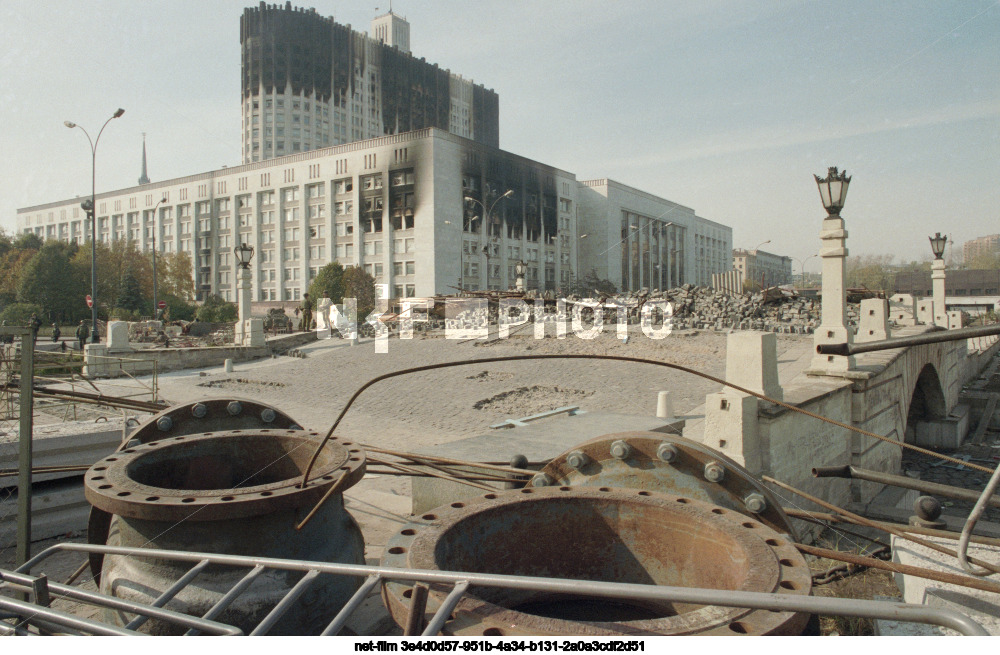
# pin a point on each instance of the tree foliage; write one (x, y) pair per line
(19, 314)
(129, 293)
(874, 272)
(217, 310)
(329, 279)
(360, 285)
(49, 281)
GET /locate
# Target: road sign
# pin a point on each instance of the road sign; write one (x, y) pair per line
(162, 304)
(90, 301)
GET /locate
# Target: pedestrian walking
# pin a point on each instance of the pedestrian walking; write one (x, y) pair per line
(307, 313)
(81, 334)
(56, 333)
(34, 323)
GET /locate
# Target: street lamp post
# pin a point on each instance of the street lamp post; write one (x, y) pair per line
(802, 265)
(94, 336)
(156, 306)
(833, 327)
(487, 222)
(938, 243)
(244, 254)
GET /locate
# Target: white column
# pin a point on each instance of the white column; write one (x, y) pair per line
(833, 327)
(937, 284)
(245, 283)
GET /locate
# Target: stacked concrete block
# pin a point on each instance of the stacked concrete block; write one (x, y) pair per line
(873, 324)
(731, 423)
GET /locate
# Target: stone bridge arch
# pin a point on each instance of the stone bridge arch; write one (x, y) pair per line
(927, 402)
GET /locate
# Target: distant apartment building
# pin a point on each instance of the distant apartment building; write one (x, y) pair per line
(757, 265)
(980, 246)
(309, 82)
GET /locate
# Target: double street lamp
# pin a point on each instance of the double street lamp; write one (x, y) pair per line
(487, 223)
(90, 207)
(156, 305)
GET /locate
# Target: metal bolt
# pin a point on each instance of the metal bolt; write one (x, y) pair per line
(541, 480)
(268, 415)
(577, 459)
(667, 452)
(755, 503)
(234, 407)
(199, 410)
(714, 472)
(164, 423)
(621, 450)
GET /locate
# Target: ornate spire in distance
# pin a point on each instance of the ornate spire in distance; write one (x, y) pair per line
(143, 179)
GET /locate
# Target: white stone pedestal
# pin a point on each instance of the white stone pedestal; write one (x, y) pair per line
(833, 327)
(937, 284)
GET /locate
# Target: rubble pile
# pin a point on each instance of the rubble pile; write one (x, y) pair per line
(694, 307)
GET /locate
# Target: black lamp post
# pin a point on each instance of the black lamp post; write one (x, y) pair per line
(833, 190)
(244, 254)
(156, 305)
(94, 336)
(938, 243)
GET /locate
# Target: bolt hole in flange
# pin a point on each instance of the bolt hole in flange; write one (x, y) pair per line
(617, 536)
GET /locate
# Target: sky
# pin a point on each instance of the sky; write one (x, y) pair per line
(726, 106)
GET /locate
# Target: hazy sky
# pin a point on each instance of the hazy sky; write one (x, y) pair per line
(726, 106)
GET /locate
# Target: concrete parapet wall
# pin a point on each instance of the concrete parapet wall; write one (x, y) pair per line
(141, 362)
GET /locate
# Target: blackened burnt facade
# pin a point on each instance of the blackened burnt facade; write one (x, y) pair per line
(309, 82)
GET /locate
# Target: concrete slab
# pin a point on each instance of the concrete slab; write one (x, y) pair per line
(985, 605)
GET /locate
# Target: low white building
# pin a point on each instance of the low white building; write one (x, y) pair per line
(425, 212)
(636, 239)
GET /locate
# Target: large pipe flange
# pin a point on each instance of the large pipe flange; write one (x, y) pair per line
(598, 534)
(214, 415)
(666, 463)
(237, 492)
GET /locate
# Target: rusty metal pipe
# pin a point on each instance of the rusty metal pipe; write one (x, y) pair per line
(946, 490)
(871, 524)
(882, 525)
(699, 596)
(906, 569)
(936, 336)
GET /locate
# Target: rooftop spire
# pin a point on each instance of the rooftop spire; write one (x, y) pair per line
(143, 179)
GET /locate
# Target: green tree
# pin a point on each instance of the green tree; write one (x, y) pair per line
(49, 280)
(989, 261)
(6, 243)
(174, 276)
(329, 279)
(874, 272)
(19, 313)
(28, 241)
(217, 310)
(360, 285)
(130, 295)
(11, 266)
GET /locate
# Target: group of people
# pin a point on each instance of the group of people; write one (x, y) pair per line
(35, 324)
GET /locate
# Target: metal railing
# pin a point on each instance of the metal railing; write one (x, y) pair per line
(39, 615)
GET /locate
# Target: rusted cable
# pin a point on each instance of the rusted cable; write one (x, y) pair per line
(847, 569)
(930, 532)
(417, 458)
(871, 524)
(619, 358)
(478, 478)
(905, 569)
